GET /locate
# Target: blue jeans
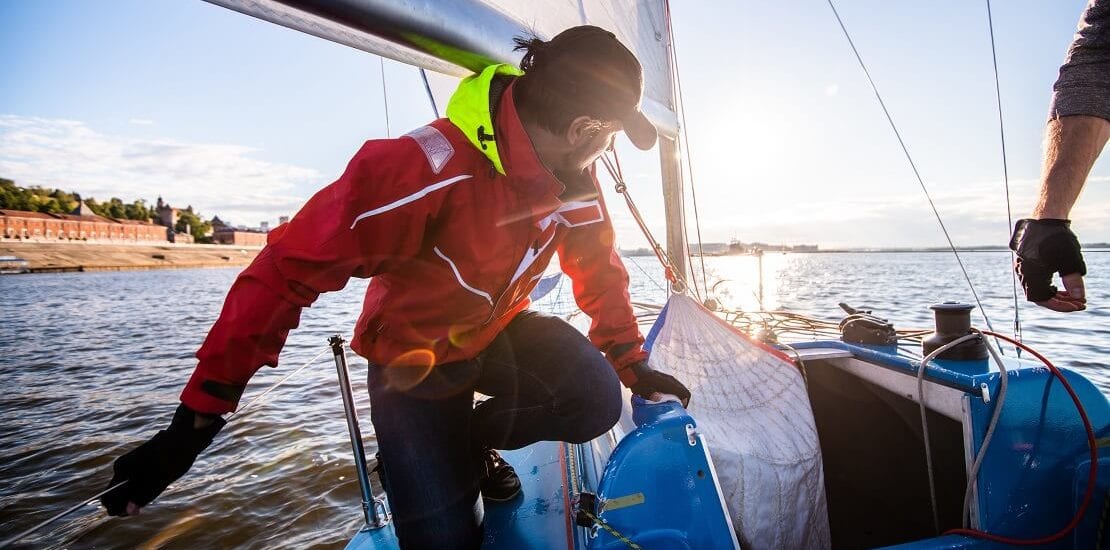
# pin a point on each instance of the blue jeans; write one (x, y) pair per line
(547, 382)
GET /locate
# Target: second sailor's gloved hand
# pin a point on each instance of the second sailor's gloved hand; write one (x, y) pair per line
(650, 382)
(1045, 247)
(151, 467)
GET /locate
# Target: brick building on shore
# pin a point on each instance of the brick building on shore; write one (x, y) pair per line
(84, 225)
(80, 225)
(223, 233)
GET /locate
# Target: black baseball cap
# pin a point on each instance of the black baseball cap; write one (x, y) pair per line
(589, 66)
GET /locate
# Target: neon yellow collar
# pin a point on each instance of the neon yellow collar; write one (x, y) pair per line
(469, 110)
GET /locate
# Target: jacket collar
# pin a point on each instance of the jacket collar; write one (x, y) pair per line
(519, 155)
(470, 111)
(496, 131)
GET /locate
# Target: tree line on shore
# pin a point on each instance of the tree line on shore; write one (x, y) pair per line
(55, 201)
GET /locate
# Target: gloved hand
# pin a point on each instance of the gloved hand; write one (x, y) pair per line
(1045, 247)
(650, 382)
(151, 467)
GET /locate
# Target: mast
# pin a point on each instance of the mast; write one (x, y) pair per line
(670, 170)
(670, 161)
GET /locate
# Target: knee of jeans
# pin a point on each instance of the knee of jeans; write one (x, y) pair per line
(596, 410)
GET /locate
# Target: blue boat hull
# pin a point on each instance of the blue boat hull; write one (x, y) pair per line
(655, 483)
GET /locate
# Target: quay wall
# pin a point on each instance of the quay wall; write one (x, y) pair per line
(46, 257)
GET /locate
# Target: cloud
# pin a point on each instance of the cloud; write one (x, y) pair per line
(832, 89)
(141, 121)
(216, 179)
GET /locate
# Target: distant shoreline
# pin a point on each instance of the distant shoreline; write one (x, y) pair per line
(46, 257)
(1096, 247)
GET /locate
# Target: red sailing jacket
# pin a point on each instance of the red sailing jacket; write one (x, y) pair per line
(454, 236)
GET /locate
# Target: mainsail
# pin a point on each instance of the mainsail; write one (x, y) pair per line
(463, 36)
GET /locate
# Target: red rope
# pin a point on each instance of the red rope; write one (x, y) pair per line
(614, 169)
(1091, 478)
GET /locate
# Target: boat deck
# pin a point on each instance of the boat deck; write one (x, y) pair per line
(537, 519)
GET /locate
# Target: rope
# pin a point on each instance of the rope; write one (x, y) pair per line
(1003, 383)
(1005, 177)
(428, 88)
(79, 505)
(925, 422)
(913, 165)
(274, 386)
(1092, 476)
(611, 530)
(668, 269)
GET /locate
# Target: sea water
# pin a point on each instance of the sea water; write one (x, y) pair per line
(91, 364)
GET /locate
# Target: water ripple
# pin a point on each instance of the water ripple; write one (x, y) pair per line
(92, 364)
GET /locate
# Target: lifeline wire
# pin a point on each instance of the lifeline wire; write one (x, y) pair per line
(1005, 175)
(77, 506)
(920, 181)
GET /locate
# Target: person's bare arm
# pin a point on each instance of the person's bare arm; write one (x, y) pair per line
(1078, 127)
(1072, 144)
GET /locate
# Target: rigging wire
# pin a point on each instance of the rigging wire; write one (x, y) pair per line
(385, 97)
(680, 100)
(1005, 176)
(913, 165)
(428, 88)
(677, 280)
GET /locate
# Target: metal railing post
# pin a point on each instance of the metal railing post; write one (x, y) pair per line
(370, 505)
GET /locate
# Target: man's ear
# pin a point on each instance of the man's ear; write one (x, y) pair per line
(581, 130)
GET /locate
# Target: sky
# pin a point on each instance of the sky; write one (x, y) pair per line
(244, 119)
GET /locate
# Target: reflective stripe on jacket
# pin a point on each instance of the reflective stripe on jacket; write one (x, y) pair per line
(455, 222)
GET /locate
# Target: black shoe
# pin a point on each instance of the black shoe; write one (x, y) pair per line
(497, 478)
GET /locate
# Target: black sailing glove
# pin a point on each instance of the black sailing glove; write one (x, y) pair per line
(650, 382)
(1045, 247)
(151, 467)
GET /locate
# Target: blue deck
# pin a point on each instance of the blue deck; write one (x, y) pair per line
(537, 519)
(661, 482)
(1035, 471)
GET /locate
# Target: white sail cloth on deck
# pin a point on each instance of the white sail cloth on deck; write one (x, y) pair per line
(750, 403)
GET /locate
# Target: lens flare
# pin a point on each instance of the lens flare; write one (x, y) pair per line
(409, 369)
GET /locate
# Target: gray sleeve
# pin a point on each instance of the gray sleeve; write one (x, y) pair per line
(1083, 87)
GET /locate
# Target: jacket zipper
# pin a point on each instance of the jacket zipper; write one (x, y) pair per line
(509, 286)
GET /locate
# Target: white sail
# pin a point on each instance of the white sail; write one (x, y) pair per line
(752, 407)
(462, 36)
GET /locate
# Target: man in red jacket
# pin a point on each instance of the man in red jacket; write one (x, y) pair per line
(455, 222)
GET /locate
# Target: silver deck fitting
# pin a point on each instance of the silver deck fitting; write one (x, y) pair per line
(373, 509)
